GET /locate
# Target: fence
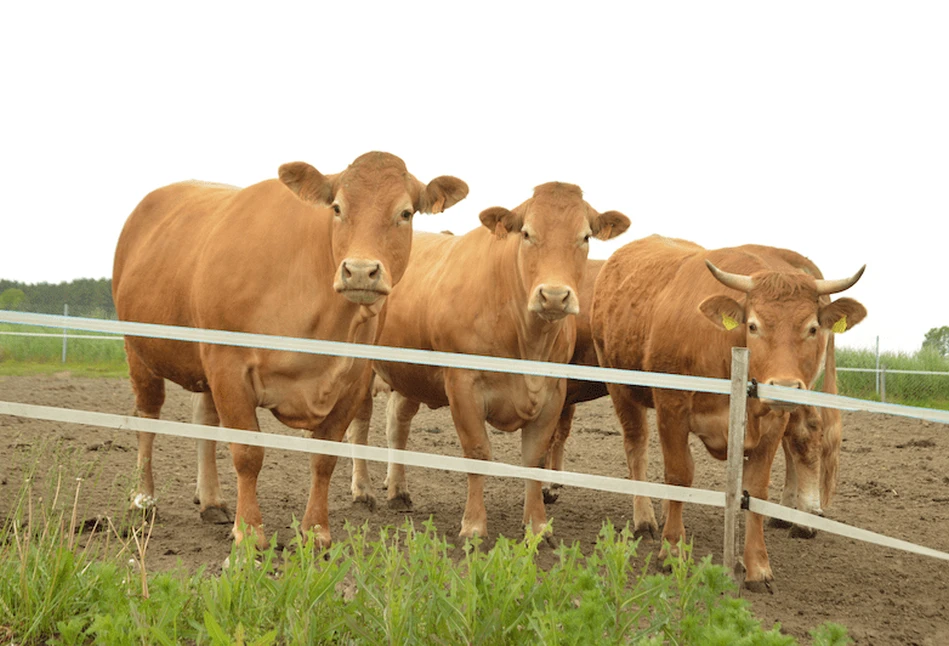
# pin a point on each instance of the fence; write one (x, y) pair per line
(731, 499)
(904, 385)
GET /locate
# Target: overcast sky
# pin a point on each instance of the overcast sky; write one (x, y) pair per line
(818, 126)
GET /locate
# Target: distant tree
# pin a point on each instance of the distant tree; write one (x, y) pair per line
(10, 299)
(937, 340)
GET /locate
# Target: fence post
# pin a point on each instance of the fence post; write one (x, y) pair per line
(65, 313)
(737, 421)
(882, 374)
(878, 366)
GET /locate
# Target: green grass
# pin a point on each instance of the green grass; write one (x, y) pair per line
(405, 585)
(21, 355)
(928, 391)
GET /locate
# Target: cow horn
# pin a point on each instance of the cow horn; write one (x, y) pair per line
(839, 285)
(736, 281)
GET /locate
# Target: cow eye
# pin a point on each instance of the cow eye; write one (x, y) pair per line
(753, 328)
(525, 235)
(336, 209)
(406, 215)
(586, 238)
(813, 330)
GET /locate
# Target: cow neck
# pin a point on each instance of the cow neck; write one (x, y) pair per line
(536, 337)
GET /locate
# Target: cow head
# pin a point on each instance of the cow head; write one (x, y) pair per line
(786, 320)
(372, 204)
(553, 231)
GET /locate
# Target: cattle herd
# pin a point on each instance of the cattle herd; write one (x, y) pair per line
(334, 257)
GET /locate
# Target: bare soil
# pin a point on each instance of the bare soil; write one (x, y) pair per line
(894, 479)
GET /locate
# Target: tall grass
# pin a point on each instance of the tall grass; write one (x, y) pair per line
(60, 584)
(30, 354)
(931, 391)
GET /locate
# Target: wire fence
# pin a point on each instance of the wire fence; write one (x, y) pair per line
(914, 387)
(495, 364)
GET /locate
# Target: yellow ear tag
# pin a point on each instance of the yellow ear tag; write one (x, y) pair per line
(841, 325)
(729, 322)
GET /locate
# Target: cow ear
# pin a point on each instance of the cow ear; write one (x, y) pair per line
(842, 314)
(723, 311)
(501, 221)
(309, 184)
(609, 225)
(441, 193)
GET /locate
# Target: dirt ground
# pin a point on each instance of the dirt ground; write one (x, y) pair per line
(893, 469)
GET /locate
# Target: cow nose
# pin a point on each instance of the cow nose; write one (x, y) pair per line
(554, 297)
(553, 302)
(361, 270)
(787, 383)
(362, 281)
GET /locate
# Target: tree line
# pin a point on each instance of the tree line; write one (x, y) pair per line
(89, 297)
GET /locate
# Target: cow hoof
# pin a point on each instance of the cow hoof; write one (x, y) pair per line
(216, 515)
(778, 523)
(549, 496)
(546, 544)
(760, 586)
(799, 531)
(401, 502)
(646, 529)
(366, 499)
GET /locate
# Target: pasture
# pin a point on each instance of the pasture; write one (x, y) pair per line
(894, 479)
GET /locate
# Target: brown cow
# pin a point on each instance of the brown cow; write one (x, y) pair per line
(578, 390)
(664, 305)
(490, 293)
(803, 420)
(307, 255)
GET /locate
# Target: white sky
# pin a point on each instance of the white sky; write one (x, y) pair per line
(822, 127)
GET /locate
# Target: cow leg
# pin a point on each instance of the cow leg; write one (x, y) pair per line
(803, 444)
(789, 492)
(632, 417)
(149, 393)
(208, 494)
(755, 479)
(237, 407)
(830, 453)
(359, 435)
(535, 442)
(332, 428)
(399, 414)
(555, 454)
(679, 467)
(467, 412)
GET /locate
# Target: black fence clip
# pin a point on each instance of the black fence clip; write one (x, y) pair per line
(745, 499)
(753, 389)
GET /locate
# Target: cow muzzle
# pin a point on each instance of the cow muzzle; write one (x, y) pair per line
(362, 281)
(782, 406)
(553, 302)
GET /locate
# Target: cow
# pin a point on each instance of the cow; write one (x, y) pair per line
(508, 289)
(306, 255)
(669, 305)
(580, 391)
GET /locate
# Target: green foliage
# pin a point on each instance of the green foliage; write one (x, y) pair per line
(11, 299)
(407, 586)
(937, 340)
(39, 354)
(930, 391)
(89, 297)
